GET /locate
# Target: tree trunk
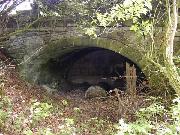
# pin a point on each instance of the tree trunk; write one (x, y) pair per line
(171, 71)
(171, 30)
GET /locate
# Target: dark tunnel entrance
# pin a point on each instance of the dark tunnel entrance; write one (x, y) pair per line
(82, 68)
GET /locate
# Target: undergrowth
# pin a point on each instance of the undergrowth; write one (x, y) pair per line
(36, 118)
(154, 120)
(29, 121)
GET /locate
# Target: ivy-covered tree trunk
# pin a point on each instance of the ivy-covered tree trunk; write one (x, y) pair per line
(171, 29)
(170, 70)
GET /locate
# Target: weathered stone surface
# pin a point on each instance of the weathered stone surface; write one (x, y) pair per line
(49, 90)
(35, 48)
(95, 91)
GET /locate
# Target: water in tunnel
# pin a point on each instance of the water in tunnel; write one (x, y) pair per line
(85, 67)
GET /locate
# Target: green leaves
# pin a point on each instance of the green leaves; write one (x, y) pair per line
(102, 18)
(40, 110)
(91, 31)
(142, 126)
(64, 102)
(128, 10)
(143, 28)
(3, 117)
(152, 110)
(150, 120)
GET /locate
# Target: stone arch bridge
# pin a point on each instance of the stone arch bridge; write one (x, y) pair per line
(40, 52)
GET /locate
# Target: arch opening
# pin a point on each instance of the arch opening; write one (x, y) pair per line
(84, 67)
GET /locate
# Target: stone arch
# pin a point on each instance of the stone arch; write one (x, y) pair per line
(66, 45)
(32, 69)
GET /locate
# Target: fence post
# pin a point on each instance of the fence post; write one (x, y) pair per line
(131, 79)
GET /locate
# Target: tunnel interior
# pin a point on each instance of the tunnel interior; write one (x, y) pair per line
(84, 67)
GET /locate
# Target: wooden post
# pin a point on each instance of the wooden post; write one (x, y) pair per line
(131, 79)
(127, 78)
(134, 79)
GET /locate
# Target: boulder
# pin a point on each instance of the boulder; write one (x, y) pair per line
(95, 91)
(49, 90)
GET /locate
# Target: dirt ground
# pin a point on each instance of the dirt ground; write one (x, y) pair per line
(21, 90)
(109, 109)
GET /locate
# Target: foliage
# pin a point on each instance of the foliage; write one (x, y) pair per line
(40, 110)
(154, 119)
(81, 12)
(29, 116)
(29, 120)
(67, 128)
(2, 78)
(5, 102)
(157, 53)
(6, 6)
(44, 131)
(129, 10)
(5, 110)
(75, 8)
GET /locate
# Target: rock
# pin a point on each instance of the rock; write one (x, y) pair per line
(95, 91)
(116, 92)
(49, 90)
